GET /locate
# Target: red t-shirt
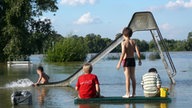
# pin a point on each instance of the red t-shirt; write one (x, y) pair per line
(86, 85)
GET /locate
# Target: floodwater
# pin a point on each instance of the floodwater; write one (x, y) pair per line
(111, 80)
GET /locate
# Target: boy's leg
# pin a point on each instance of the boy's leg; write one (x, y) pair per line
(127, 80)
(132, 75)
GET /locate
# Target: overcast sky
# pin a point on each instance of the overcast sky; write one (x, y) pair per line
(108, 17)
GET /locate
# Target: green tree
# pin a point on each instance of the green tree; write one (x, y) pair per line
(152, 46)
(95, 43)
(41, 30)
(189, 35)
(189, 42)
(180, 46)
(16, 24)
(143, 45)
(118, 48)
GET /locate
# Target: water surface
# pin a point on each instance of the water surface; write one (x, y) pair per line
(112, 83)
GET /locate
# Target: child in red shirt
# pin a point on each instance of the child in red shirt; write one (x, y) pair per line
(88, 84)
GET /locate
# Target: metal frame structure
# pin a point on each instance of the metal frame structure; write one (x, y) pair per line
(141, 21)
(145, 21)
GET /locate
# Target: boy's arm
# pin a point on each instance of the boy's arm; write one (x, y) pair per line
(77, 85)
(97, 88)
(76, 88)
(122, 55)
(39, 79)
(138, 53)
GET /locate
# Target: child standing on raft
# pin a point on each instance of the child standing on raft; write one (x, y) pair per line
(128, 47)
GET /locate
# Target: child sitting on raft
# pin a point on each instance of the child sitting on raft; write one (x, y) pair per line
(88, 84)
(151, 83)
(43, 77)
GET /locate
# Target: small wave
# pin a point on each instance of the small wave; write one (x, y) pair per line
(19, 83)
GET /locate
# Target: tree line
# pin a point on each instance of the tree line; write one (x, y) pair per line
(75, 48)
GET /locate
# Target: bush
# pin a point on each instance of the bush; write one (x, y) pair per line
(116, 57)
(68, 49)
(154, 56)
(142, 56)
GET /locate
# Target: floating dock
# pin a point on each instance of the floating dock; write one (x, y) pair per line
(19, 63)
(112, 100)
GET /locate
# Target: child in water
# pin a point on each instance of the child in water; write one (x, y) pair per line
(88, 84)
(43, 77)
(128, 47)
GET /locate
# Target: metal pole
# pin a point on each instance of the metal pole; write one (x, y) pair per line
(167, 53)
(163, 58)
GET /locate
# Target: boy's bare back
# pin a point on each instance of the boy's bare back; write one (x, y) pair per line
(44, 79)
(129, 47)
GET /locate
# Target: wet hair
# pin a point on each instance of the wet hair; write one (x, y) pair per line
(40, 68)
(88, 66)
(127, 32)
(152, 70)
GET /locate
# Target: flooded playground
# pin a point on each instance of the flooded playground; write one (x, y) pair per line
(112, 83)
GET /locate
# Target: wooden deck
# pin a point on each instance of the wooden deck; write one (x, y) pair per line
(111, 100)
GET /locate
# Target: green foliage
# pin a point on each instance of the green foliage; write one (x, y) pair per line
(189, 42)
(189, 35)
(17, 26)
(152, 46)
(175, 45)
(69, 49)
(143, 56)
(143, 45)
(154, 56)
(118, 48)
(95, 43)
(172, 45)
(116, 57)
(23, 33)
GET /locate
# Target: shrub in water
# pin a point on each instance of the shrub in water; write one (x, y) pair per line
(68, 49)
(154, 56)
(116, 57)
(142, 56)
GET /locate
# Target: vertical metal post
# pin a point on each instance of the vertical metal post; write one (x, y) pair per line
(162, 57)
(167, 53)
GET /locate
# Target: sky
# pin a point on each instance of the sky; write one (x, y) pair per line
(109, 17)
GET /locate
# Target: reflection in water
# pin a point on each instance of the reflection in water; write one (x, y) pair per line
(171, 90)
(89, 105)
(129, 106)
(42, 92)
(59, 97)
(53, 97)
(155, 105)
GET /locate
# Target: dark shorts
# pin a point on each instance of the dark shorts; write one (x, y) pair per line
(129, 62)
